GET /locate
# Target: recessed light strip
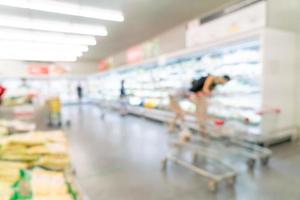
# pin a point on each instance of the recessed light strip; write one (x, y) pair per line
(66, 9)
(49, 25)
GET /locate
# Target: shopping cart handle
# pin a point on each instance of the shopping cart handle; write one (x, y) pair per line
(267, 111)
(203, 94)
(219, 122)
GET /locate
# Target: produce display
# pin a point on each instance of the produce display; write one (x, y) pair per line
(39, 89)
(35, 166)
(17, 100)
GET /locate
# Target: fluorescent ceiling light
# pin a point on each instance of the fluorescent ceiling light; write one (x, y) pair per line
(47, 37)
(65, 8)
(28, 51)
(39, 57)
(34, 46)
(49, 25)
(43, 52)
(46, 52)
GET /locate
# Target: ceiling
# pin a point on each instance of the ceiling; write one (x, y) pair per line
(144, 19)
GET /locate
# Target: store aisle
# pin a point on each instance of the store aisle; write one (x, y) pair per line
(119, 159)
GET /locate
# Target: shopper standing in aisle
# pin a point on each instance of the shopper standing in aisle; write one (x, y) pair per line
(79, 92)
(123, 103)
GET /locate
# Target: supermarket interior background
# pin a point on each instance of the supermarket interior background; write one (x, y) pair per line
(140, 99)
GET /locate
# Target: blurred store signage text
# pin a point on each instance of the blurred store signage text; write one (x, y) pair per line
(37, 69)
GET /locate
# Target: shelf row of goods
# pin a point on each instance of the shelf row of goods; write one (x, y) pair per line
(149, 85)
(34, 165)
(38, 89)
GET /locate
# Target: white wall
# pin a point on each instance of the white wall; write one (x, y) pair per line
(285, 15)
(11, 68)
(298, 78)
(172, 40)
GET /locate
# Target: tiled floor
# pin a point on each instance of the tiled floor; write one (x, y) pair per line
(119, 159)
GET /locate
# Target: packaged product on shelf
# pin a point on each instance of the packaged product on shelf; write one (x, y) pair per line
(53, 136)
(53, 162)
(29, 139)
(17, 126)
(17, 100)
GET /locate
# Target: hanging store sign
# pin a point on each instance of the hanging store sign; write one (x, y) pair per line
(141, 52)
(134, 54)
(106, 64)
(37, 69)
(151, 49)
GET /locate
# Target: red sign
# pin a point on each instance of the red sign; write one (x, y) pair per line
(47, 70)
(134, 54)
(103, 65)
(38, 69)
(106, 64)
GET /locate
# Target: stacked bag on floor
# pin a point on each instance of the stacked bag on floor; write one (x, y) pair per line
(33, 166)
(40, 184)
(43, 149)
(9, 174)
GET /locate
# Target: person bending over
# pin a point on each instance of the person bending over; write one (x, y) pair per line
(201, 89)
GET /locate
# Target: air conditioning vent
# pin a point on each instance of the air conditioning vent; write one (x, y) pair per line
(238, 6)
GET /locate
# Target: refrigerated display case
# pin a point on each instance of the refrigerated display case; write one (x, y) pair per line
(250, 59)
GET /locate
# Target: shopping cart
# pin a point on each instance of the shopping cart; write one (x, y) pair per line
(228, 141)
(220, 149)
(54, 111)
(231, 141)
(186, 152)
(218, 143)
(213, 168)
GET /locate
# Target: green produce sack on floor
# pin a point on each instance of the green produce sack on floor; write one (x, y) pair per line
(22, 188)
